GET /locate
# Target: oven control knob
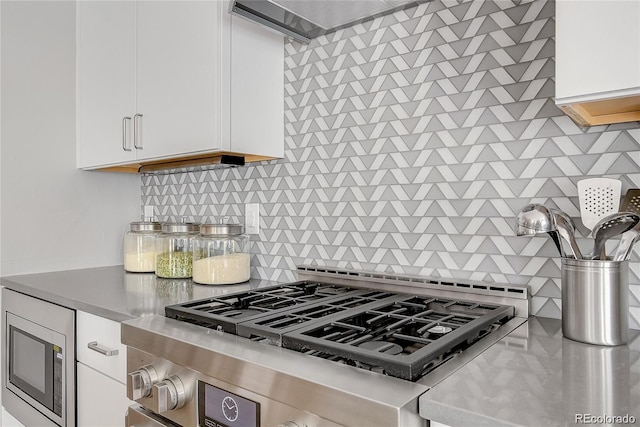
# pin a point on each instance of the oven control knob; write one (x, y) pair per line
(169, 394)
(288, 424)
(140, 382)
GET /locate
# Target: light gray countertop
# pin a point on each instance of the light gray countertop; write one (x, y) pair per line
(536, 377)
(532, 377)
(112, 293)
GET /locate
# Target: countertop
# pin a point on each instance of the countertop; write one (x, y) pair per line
(532, 377)
(112, 293)
(536, 377)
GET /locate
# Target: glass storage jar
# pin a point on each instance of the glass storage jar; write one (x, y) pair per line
(221, 255)
(140, 246)
(174, 247)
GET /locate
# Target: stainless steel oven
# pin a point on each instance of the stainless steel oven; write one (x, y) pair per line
(38, 360)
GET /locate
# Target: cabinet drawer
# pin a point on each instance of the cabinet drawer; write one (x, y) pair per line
(102, 335)
(102, 401)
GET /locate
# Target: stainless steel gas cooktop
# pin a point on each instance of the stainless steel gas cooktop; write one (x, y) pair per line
(335, 348)
(400, 335)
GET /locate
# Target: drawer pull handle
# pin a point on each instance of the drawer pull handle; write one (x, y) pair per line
(93, 345)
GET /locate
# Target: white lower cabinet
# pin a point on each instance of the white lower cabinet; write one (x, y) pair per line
(101, 372)
(101, 401)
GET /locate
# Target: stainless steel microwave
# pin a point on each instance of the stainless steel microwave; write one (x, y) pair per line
(38, 360)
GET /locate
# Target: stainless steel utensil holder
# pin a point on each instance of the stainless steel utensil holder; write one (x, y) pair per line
(595, 301)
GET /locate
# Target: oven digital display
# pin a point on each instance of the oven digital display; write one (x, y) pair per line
(220, 408)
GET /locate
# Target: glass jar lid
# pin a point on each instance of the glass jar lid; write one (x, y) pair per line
(145, 226)
(180, 227)
(221, 229)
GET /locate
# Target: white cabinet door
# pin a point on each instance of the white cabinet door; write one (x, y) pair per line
(105, 80)
(598, 60)
(178, 76)
(192, 78)
(597, 49)
(256, 89)
(101, 379)
(101, 401)
(95, 333)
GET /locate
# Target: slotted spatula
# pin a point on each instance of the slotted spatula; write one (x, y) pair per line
(598, 198)
(631, 201)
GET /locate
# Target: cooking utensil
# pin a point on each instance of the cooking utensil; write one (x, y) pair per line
(631, 201)
(610, 226)
(598, 198)
(628, 239)
(536, 219)
(566, 228)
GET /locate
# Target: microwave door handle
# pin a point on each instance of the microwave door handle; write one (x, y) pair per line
(93, 345)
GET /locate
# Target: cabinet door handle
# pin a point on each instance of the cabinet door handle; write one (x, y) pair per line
(125, 133)
(137, 131)
(93, 345)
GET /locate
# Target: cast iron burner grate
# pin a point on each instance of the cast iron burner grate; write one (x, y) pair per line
(274, 325)
(399, 335)
(403, 338)
(428, 367)
(227, 311)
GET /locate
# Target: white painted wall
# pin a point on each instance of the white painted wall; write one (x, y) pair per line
(52, 216)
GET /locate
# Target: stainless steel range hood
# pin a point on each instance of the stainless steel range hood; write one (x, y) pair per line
(304, 20)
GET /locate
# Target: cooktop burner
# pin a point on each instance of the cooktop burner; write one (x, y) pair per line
(381, 347)
(242, 313)
(420, 329)
(397, 334)
(226, 311)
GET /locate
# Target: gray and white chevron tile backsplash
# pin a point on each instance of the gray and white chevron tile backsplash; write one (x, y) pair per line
(411, 142)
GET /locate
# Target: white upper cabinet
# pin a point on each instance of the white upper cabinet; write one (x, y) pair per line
(170, 80)
(598, 60)
(106, 91)
(178, 71)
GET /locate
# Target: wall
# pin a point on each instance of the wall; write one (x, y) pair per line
(411, 143)
(54, 217)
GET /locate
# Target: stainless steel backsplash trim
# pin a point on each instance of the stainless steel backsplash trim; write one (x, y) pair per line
(515, 295)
